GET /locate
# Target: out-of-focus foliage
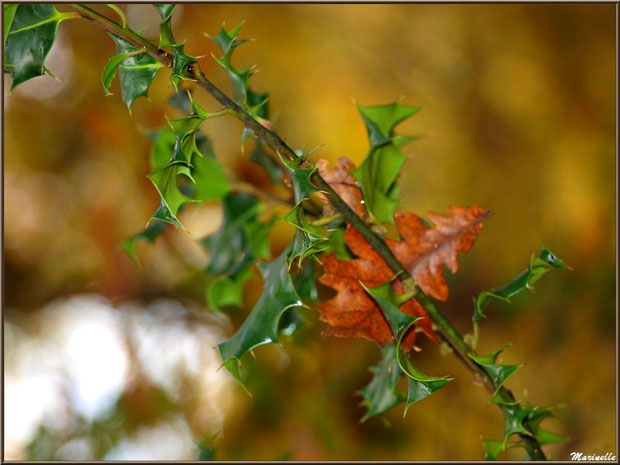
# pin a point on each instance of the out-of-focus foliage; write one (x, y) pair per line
(519, 116)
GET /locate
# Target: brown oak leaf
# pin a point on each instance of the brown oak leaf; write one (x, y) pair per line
(342, 181)
(423, 251)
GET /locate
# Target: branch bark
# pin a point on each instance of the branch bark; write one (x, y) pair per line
(445, 329)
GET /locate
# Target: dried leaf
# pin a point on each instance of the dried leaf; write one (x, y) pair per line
(422, 250)
(342, 181)
(352, 312)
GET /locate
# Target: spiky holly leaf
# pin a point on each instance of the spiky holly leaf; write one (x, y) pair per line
(230, 244)
(537, 268)
(390, 302)
(262, 325)
(149, 234)
(228, 41)
(29, 34)
(136, 72)
(180, 64)
(497, 372)
(309, 239)
(338, 246)
(492, 448)
(380, 120)
(304, 282)
(258, 103)
(210, 180)
(9, 14)
(109, 71)
(300, 177)
(165, 10)
(420, 385)
(165, 179)
(226, 291)
(255, 102)
(381, 394)
(342, 181)
(163, 148)
(378, 172)
(172, 198)
(166, 37)
(514, 418)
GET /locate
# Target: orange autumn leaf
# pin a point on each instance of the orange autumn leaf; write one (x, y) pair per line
(423, 251)
(342, 181)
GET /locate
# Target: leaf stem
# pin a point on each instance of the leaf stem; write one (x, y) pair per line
(444, 327)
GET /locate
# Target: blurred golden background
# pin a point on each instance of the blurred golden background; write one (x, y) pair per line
(106, 359)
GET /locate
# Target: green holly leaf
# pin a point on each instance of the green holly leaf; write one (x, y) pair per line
(211, 182)
(537, 268)
(305, 282)
(381, 394)
(180, 64)
(9, 15)
(514, 416)
(230, 244)
(389, 303)
(338, 246)
(498, 373)
(228, 42)
(165, 10)
(300, 177)
(227, 291)
(258, 103)
(262, 325)
(149, 234)
(378, 172)
(260, 156)
(547, 437)
(380, 120)
(290, 321)
(209, 176)
(308, 240)
(420, 385)
(204, 173)
(492, 448)
(166, 38)
(165, 181)
(163, 148)
(136, 71)
(110, 71)
(258, 237)
(29, 34)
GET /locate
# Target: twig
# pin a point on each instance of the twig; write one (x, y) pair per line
(445, 328)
